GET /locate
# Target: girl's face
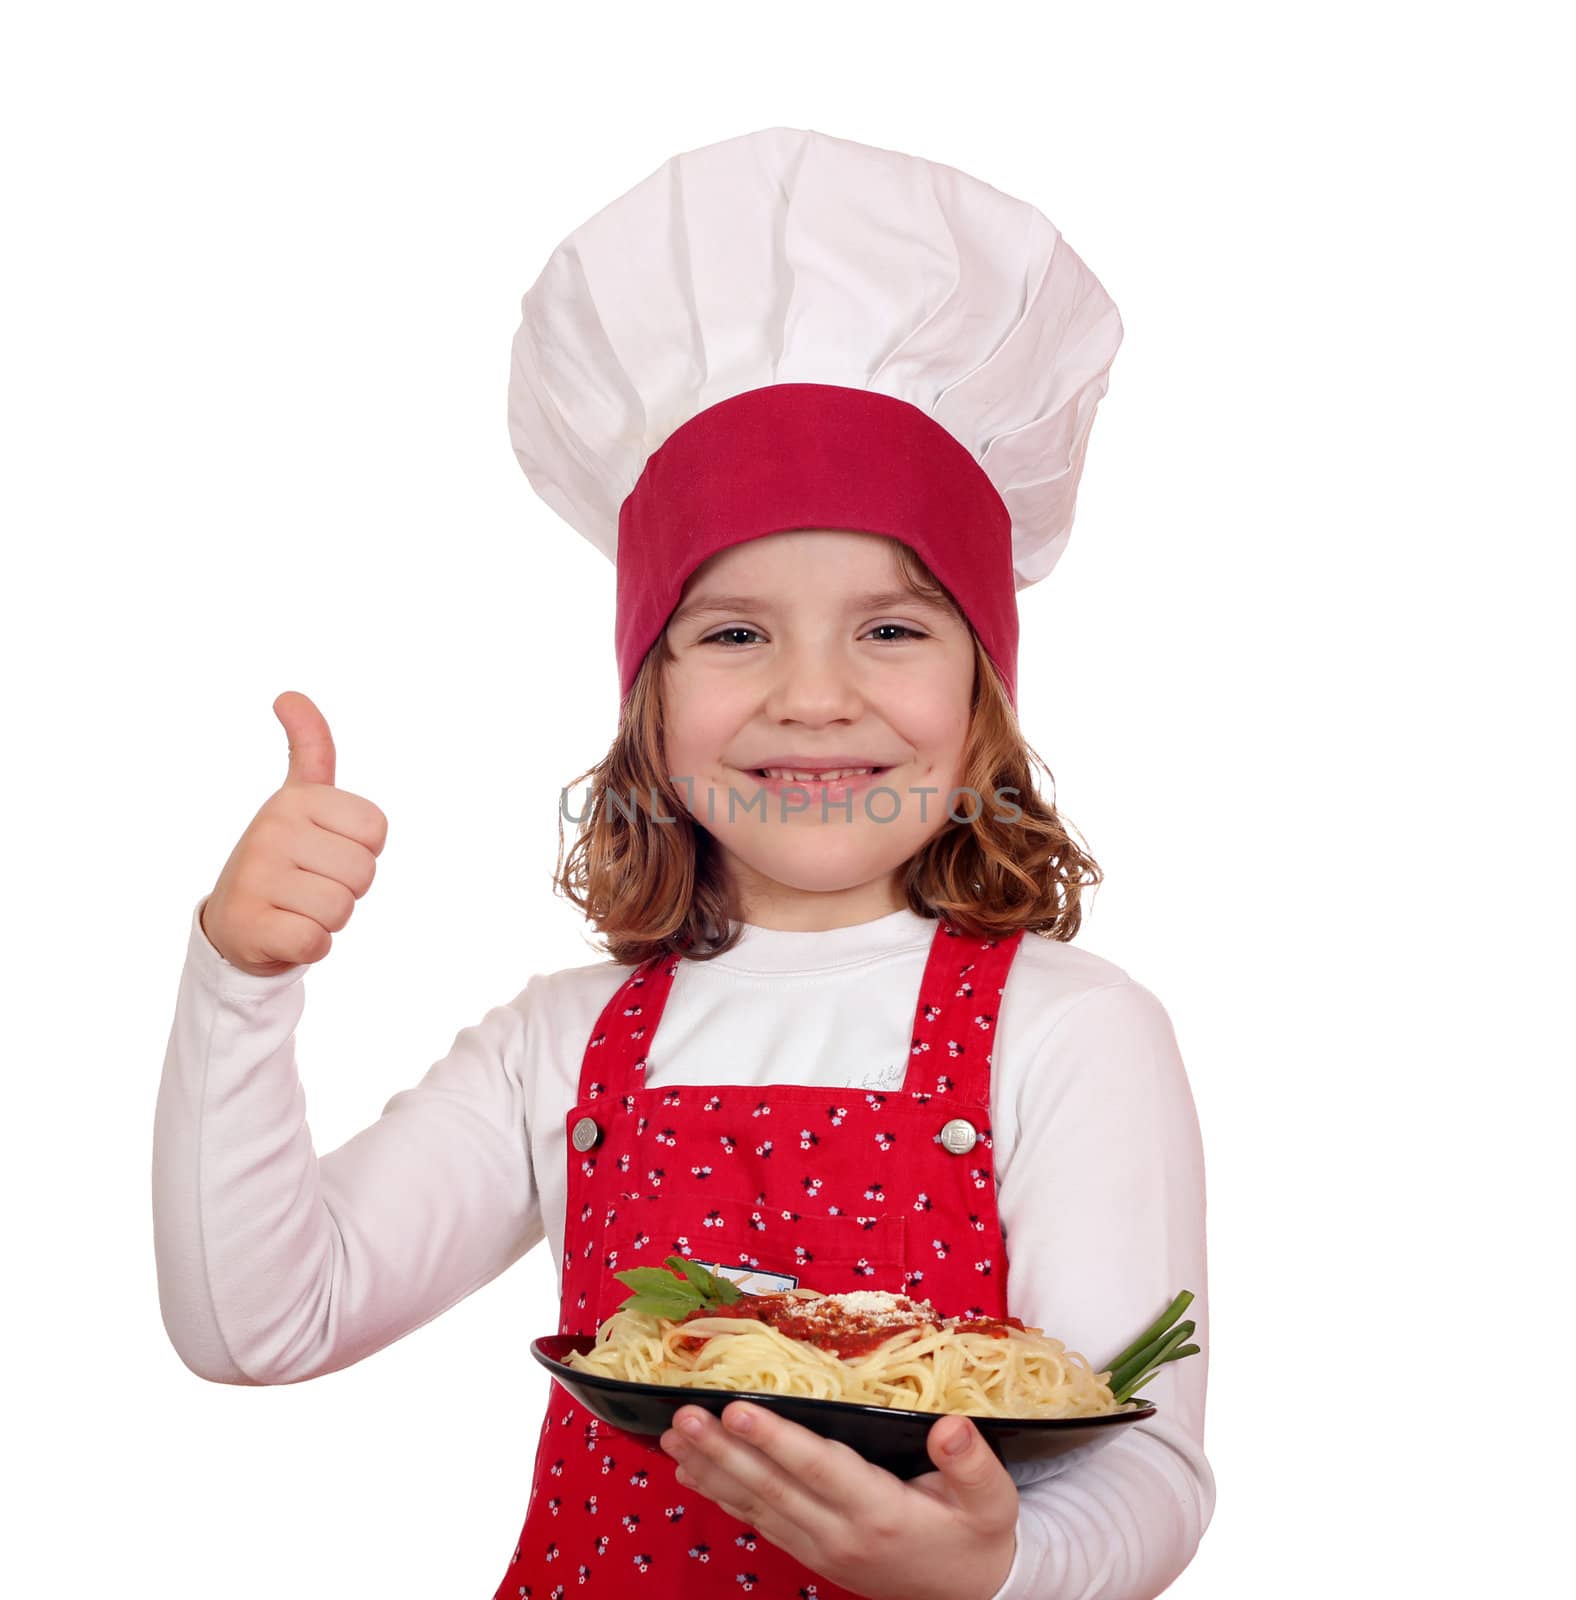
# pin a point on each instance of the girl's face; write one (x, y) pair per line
(803, 647)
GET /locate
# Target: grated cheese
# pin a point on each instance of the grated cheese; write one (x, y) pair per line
(878, 1306)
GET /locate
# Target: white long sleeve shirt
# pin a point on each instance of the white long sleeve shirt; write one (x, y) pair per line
(277, 1265)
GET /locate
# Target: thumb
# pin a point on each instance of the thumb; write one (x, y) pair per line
(978, 1481)
(311, 744)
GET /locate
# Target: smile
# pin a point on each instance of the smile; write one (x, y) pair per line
(831, 784)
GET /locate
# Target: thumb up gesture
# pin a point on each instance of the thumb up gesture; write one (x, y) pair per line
(309, 854)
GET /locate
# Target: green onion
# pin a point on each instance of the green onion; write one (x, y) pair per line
(1152, 1354)
(1146, 1357)
(1152, 1332)
(1185, 1350)
(1142, 1370)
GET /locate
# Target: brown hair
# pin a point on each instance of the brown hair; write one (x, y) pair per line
(656, 887)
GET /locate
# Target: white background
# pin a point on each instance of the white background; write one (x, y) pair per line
(1298, 678)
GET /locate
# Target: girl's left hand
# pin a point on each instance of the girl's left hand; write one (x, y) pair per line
(947, 1535)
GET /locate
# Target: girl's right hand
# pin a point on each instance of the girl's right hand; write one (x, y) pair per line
(305, 859)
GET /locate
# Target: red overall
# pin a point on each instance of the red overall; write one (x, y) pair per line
(843, 1188)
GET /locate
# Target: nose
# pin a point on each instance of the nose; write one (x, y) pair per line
(813, 684)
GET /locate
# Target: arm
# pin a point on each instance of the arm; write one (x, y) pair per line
(276, 1265)
(1105, 1192)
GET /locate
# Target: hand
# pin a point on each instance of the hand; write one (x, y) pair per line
(946, 1535)
(305, 859)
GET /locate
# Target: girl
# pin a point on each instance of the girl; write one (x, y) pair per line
(826, 406)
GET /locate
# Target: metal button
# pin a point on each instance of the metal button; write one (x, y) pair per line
(959, 1136)
(585, 1135)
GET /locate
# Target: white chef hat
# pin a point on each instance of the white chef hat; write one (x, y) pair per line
(790, 330)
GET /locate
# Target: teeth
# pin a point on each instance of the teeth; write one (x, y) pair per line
(817, 777)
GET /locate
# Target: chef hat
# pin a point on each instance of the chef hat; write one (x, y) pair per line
(790, 330)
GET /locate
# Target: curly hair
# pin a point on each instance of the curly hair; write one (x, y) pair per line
(652, 887)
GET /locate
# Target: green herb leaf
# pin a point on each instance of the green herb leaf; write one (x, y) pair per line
(718, 1291)
(714, 1290)
(694, 1273)
(663, 1293)
(655, 1280)
(655, 1303)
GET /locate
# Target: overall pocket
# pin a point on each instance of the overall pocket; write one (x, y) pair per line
(763, 1250)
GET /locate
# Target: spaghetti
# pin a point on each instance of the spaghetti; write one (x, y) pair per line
(866, 1348)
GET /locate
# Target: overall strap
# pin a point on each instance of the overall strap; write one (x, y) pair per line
(955, 1018)
(614, 1062)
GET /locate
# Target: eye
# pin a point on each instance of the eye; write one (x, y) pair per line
(722, 631)
(898, 627)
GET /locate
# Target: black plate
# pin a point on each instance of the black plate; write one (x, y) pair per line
(888, 1437)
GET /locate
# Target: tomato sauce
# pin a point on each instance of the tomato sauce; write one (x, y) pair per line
(992, 1327)
(826, 1324)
